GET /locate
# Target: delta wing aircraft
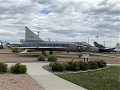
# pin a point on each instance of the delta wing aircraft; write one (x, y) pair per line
(32, 41)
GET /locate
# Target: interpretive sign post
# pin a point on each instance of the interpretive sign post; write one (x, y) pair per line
(85, 56)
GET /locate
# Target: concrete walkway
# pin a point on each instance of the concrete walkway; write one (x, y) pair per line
(48, 80)
(113, 64)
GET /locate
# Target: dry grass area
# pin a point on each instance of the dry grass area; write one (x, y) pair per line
(18, 82)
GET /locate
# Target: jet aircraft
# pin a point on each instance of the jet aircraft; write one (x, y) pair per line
(103, 48)
(1, 45)
(32, 41)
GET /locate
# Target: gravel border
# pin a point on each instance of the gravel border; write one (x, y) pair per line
(18, 82)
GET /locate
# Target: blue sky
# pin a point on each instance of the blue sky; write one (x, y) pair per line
(45, 11)
(61, 20)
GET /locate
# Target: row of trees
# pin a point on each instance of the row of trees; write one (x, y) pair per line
(77, 65)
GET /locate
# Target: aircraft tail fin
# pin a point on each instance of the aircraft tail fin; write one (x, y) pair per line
(117, 46)
(30, 36)
(98, 45)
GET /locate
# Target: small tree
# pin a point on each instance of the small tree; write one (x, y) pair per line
(93, 65)
(41, 57)
(18, 69)
(3, 67)
(57, 66)
(52, 58)
(101, 63)
(72, 66)
(83, 65)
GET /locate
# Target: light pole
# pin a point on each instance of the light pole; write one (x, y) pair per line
(88, 45)
(97, 38)
(38, 33)
(49, 39)
(104, 43)
(88, 40)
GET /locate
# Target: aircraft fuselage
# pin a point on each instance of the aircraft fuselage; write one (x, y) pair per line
(55, 46)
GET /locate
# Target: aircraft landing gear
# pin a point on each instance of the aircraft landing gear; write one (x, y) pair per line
(51, 52)
(43, 52)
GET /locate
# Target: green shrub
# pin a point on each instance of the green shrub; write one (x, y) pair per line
(3, 67)
(76, 66)
(50, 65)
(31, 50)
(69, 65)
(57, 67)
(83, 65)
(18, 69)
(72, 66)
(93, 65)
(16, 50)
(52, 58)
(101, 63)
(41, 57)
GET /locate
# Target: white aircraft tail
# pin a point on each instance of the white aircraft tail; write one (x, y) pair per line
(30, 36)
(117, 46)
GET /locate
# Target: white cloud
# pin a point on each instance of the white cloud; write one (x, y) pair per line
(67, 19)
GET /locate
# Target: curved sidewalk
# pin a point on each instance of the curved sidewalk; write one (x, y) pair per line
(48, 80)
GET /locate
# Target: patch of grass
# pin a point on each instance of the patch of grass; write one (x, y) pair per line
(107, 79)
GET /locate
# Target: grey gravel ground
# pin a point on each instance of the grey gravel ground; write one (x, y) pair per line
(18, 82)
(13, 58)
(8, 57)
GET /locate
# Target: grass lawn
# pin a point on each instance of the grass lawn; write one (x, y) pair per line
(106, 79)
